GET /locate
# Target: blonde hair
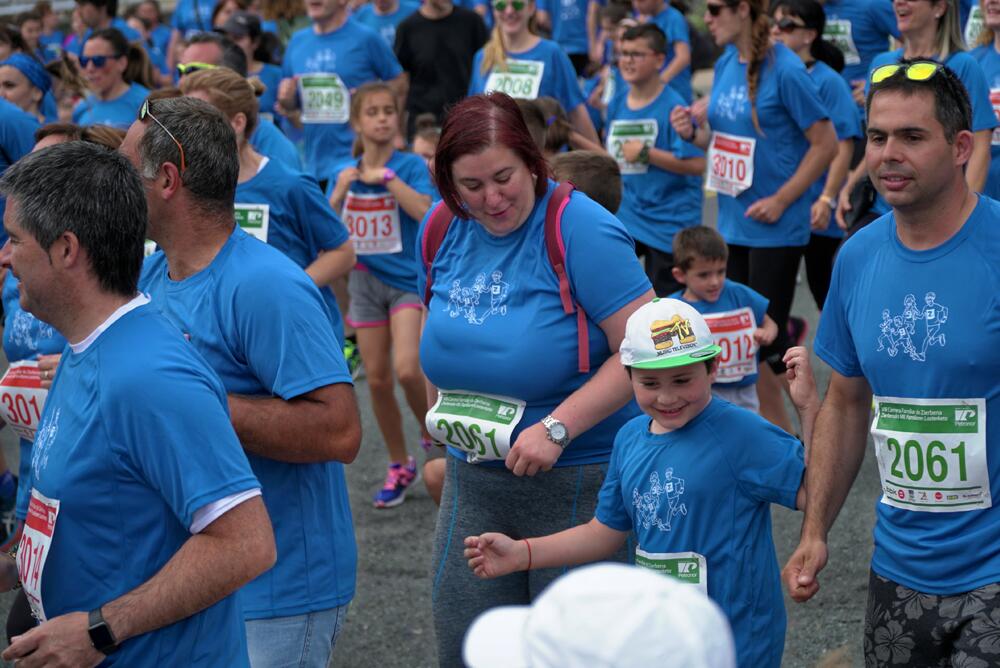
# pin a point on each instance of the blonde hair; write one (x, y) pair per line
(495, 50)
(760, 49)
(228, 92)
(949, 37)
(357, 104)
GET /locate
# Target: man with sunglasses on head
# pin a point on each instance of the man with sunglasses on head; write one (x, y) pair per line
(934, 585)
(261, 324)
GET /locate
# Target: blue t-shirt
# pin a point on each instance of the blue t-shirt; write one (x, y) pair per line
(925, 325)
(673, 25)
(17, 138)
(75, 43)
(131, 446)
(656, 203)
(396, 269)
(569, 23)
(705, 489)
(385, 24)
(161, 37)
(989, 60)
(262, 326)
(787, 104)
(301, 223)
(357, 55)
(25, 337)
(120, 112)
(192, 16)
(861, 29)
(558, 78)
(270, 76)
(489, 291)
(836, 97)
(734, 295)
(969, 72)
(268, 140)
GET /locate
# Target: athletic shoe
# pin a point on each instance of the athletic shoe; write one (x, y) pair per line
(353, 357)
(397, 480)
(797, 329)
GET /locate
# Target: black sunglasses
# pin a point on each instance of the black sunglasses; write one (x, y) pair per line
(98, 61)
(787, 24)
(715, 10)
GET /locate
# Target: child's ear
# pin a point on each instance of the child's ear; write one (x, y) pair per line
(713, 368)
(678, 275)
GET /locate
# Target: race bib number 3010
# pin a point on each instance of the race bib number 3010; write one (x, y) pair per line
(730, 163)
(932, 453)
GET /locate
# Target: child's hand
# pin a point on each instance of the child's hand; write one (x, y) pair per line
(494, 554)
(766, 333)
(801, 383)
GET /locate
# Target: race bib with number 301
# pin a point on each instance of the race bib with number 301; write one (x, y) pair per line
(480, 425)
(373, 222)
(688, 567)
(33, 549)
(522, 79)
(22, 398)
(733, 332)
(325, 99)
(730, 163)
(254, 219)
(641, 130)
(840, 32)
(932, 453)
(995, 101)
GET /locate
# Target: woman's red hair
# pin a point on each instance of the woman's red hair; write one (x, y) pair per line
(472, 126)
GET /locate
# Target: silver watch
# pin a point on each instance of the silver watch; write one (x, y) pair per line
(556, 431)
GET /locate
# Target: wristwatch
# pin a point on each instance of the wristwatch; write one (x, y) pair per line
(388, 174)
(101, 636)
(644, 154)
(556, 431)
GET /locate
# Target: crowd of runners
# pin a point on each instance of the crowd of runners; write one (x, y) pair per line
(215, 223)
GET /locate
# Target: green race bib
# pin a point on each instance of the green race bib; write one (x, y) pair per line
(521, 80)
(642, 130)
(479, 424)
(325, 99)
(687, 567)
(253, 218)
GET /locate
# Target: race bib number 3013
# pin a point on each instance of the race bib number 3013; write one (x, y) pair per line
(22, 398)
(480, 425)
(373, 223)
(932, 453)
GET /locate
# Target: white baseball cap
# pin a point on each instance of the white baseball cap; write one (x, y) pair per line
(605, 616)
(666, 333)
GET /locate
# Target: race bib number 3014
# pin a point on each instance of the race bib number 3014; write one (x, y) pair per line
(33, 549)
(932, 453)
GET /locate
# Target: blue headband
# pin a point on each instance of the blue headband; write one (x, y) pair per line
(33, 70)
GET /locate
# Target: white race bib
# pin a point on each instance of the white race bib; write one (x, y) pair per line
(733, 332)
(643, 130)
(254, 219)
(730, 163)
(995, 101)
(840, 32)
(373, 222)
(608, 93)
(148, 247)
(22, 398)
(325, 99)
(479, 424)
(521, 80)
(687, 567)
(974, 26)
(33, 549)
(932, 453)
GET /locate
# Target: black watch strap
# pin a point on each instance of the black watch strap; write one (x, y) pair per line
(101, 636)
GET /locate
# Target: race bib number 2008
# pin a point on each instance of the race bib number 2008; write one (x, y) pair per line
(522, 79)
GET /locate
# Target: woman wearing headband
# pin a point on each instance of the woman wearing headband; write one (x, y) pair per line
(24, 83)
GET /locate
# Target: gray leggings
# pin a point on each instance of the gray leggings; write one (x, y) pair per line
(478, 499)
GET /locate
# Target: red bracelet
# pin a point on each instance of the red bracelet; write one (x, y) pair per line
(529, 553)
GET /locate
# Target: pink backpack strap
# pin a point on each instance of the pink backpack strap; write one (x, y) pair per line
(434, 233)
(557, 257)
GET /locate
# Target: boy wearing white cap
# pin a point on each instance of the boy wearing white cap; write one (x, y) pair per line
(694, 478)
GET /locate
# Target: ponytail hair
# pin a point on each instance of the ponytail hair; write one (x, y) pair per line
(760, 49)
(228, 92)
(949, 31)
(139, 69)
(811, 13)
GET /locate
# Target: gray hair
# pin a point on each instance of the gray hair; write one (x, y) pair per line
(88, 190)
(210, 154)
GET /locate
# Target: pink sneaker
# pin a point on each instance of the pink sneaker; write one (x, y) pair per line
(397, 480)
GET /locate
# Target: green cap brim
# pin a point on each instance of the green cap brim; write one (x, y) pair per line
(668, 362)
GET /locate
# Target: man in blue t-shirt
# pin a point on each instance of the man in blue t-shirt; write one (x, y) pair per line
(261, 324)
(912, 318)
(98, 15)
(144, 510)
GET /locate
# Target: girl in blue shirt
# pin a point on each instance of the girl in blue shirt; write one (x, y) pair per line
(24, 83)
(518, 62)
(769, 139)
(384, 194)
(988, 56)
(114, 99)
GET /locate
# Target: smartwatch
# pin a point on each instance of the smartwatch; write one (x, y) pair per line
(100, 633)
(556, 431)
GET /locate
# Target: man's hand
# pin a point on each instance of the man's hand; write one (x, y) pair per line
(61, 641)
(802, 568)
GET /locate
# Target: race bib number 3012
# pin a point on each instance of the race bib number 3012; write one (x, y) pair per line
(733, 332)
(480, 425)
(22, 398)
(932, 453)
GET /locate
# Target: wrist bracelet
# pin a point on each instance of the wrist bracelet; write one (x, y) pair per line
(528, 545)
(828, 201)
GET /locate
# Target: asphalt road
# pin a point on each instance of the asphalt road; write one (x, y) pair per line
(389, 624)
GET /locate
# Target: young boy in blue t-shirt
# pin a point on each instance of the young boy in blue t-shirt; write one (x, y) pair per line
(736, 314)
(693, 477)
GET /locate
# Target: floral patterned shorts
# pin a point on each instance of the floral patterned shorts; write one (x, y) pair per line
(904, 627)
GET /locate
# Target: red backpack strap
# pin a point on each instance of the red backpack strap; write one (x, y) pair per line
(557, 258)
(434, 233)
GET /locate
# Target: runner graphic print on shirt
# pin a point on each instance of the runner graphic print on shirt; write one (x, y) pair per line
(43, 443)
(661, 504)
(21, 330)
(898, 333)
(486, 297)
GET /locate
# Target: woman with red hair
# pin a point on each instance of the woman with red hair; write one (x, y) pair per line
(528, 410)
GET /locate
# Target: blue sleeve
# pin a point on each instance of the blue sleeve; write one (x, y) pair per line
(834, 342)
(477, 83)
(971, 74)
(321, 227)
(611, 511)
(177, 21)
(17, 134)
(836, 97)
(677, 28)
(769, 472)
(197, 459)
(757, 302)
(800, 97)
(543, 6)
(416, 175)
(566, 86)
(383, 59)
(884, 17)
(595, 238)
(286, 336)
